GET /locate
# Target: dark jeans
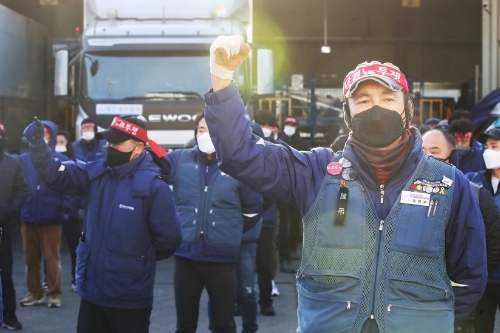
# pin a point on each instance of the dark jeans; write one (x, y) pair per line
(8, 291)
(247, 298)
(219, 279)
(72, 232)
(486, 309)
(99, 319)
(290, 230)
(266, 265)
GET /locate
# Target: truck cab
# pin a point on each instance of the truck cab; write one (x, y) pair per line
(150, 59)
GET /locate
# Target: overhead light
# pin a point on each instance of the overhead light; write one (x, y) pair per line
(325, 48)
(219, 13)
(112, 14)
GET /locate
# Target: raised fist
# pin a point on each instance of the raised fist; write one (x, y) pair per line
(227, 53)
(34, 132)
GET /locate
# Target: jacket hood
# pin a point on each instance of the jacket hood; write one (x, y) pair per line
(53, 137)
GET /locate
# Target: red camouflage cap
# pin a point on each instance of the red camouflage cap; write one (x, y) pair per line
(385, 73)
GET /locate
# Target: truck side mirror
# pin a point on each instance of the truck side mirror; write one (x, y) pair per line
(265, 72)
(61, 73)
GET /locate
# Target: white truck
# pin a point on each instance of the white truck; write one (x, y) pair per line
(150, 58)
(23, 73)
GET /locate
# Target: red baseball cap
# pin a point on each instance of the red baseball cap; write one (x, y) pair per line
(385, 73)
(291, 120)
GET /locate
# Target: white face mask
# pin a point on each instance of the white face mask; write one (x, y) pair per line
(289, 130)
(267, 132)
(61, 149)
(205, 143)
(491, 159)
(88, 135)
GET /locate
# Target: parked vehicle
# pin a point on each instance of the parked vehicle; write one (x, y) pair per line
(23, 73)
(148, 58)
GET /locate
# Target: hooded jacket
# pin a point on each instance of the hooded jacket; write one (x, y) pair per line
(43, 205)
(130, 222)
(284, 173)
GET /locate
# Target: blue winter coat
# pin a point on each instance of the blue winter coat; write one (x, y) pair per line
(249, 212)
(130, 221)
(44, 205)
(88, 151)
(284, 173)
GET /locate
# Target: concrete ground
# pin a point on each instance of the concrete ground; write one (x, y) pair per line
(41, 319)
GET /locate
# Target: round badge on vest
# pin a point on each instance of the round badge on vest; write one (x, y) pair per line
(349, 174)
(334, 168)
(345, 163)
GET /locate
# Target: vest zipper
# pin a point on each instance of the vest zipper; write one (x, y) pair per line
(389, 308)
(382, 192)
(380, 228)
(348, 305)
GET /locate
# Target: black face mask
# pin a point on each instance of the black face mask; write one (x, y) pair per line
(116, 157)
(377, 127)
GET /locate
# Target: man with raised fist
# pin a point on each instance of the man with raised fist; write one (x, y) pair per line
(393, 238)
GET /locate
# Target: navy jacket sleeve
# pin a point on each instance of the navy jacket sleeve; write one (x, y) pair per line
(251, 203)
(164, 223)
(68, 177)
(465, 249)
(275, 170)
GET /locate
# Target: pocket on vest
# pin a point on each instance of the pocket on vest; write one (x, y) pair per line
(418, 319)
(324, 300)
(417, 307)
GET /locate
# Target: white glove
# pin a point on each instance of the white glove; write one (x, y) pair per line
(232, 46)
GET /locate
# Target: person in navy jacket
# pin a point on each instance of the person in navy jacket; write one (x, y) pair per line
(214, 210)
(130, 222)
(488, 179)
(460, 125)
(42, 216)
(88, 148)
(393, 239)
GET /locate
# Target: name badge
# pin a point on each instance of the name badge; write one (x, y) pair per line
(415, 198)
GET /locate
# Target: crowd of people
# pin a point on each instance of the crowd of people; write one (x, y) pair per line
(397, 228)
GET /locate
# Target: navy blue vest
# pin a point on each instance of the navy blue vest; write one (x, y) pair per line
(392, 271)
(213, 211)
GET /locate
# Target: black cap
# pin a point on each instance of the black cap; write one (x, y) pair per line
(89, 121)
(115, 136)
(491, 132)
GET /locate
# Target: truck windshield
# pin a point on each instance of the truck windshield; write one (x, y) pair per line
(114, 76)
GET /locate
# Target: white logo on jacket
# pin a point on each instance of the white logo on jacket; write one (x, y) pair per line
(126, 207)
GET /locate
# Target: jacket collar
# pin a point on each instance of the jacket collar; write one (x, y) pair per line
(100, 167)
